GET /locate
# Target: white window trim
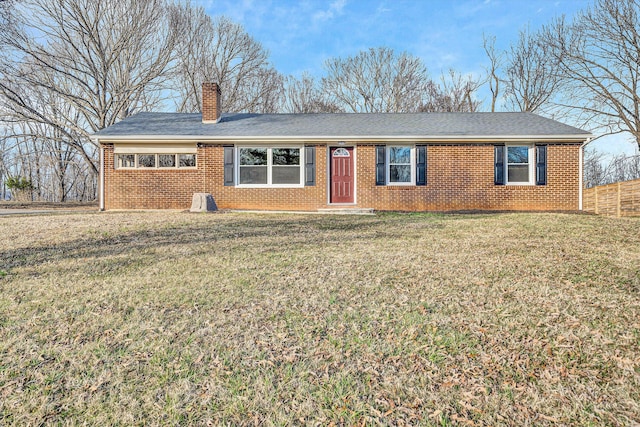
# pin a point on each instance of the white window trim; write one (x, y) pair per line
(532, 164)
(413, 165)
(157, 162)
(269, 148)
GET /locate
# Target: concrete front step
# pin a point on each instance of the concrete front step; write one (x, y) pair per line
(346, 211)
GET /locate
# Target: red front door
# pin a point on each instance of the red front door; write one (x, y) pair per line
(342, 175)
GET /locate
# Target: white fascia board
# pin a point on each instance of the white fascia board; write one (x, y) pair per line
(346, 138)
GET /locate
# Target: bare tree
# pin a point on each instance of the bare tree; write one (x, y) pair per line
(532, 73)
(634, 166)
(221, 51)
(105, 60)
(50, 149)
(595, 170)
(5, 151)
(376, 80)
(599, 53)
(496, 60)
(304, 96)
(39, 153)
(455, 93)
(6, 13)
(600, 169)
(264, 96)
(618, 168)
(624, 167)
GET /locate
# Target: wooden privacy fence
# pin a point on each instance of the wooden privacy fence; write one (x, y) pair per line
(617, 199)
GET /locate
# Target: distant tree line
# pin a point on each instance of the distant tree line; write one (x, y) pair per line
(599, 170)
(69, 68)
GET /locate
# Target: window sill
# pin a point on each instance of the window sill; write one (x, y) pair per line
(401, 187)
(190, 168)
(269, 186)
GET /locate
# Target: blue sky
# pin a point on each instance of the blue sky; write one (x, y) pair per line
(301, 35)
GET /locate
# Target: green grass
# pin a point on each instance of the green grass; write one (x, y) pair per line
(422, 319)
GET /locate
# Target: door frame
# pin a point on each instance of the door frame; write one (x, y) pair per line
(355, 173)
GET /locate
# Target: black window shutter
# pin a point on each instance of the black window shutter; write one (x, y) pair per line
(381, 165)
(228, 166)
(421, 165)
(541, 165)
(309, 166)
(499, 165)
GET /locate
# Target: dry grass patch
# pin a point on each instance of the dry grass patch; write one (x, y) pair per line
(76, 206)
(174, 318)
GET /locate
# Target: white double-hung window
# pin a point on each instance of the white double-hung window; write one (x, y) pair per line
(270, 166)
(520, 164)
(400, 165)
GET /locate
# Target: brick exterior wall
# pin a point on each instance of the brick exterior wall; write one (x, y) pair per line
(302, 199)
(148, 188)
(459, 177)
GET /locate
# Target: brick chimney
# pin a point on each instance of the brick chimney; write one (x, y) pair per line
(210, 102)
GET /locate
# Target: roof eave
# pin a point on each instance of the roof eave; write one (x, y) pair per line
(345, 138)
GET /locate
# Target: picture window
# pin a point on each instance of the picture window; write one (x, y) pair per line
(270, 166)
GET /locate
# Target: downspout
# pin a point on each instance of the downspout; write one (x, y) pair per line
(581, 172)
(101, 190)
(200, 164)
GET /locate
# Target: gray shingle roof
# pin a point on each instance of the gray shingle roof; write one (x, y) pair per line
(427, 125)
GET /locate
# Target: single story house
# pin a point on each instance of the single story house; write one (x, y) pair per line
(306, 162)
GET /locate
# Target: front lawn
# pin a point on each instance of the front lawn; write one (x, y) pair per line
(172, 318)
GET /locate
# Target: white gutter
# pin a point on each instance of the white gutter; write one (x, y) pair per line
(346, 138)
